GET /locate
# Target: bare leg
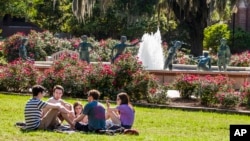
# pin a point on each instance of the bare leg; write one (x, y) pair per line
(49, 120)
(67, 117)
(114, 117)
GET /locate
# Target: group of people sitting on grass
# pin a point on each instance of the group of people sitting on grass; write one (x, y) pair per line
(93, 117)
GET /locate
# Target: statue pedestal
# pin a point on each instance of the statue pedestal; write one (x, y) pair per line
(237, 74)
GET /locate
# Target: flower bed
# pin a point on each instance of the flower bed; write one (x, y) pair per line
(211, 90)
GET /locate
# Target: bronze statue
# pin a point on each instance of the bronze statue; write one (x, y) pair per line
(120, 48)
(224, 55)
(172, 55)
(204, 62)
(84, 49)
(22, 49)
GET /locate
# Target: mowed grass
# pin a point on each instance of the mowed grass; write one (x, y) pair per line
(153, 124)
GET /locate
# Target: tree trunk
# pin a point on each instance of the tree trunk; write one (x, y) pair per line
(196, 18)
(197, 36)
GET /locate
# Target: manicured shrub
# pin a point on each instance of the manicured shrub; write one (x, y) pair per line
(130, 77)
(228, 99)
(100, 76)
(240, 60)
(78, 77)
(203, 87)
(245, 90)
(68, 71)
(186, 84)
(18, 76)
(102, 50)
(2, 58)
(40, 45)
(212, 36)
(210, 85)
(11, 47)
(241, 41)
(159, 95)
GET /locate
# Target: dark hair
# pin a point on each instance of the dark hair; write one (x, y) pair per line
(58, 87)
(94, 93)
(77, 103)
(37, 89)
(125, 99)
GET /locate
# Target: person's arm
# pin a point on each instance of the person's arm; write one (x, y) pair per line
(65, 110)
(113, 110)
(79, 118)
(134, 44)
(110, 109)
(65, 104)
(67, 107)
(59, 107)
(50, 100)
(53, 106)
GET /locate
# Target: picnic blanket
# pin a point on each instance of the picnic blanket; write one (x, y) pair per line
(66, 129)
(60, 129)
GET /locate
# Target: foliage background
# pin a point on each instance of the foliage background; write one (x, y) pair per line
(131, 18)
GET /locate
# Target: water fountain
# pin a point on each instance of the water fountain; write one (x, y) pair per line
(151, 55)
(151, 52)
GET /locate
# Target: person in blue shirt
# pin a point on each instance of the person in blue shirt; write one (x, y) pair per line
(95, 112)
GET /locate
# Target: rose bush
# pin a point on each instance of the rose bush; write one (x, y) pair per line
(11, 46)
(245, 90)
(229, 99)
(240, 60)
(40, 45)
(130, 76)
(77, 77)
(210, 85)
(186, 84)
(68, 71)
(99, 76)
(18, 76)
(203, 87)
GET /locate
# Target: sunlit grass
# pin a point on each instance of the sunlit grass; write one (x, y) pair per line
(154, 125)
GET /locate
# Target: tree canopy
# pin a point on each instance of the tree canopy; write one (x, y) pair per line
(194, 14)
(103, 18)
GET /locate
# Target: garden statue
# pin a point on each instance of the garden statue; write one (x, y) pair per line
(84, 49)
(204, 62)
(224, 55)
(120, 48)
(172, 55)
(22, 49)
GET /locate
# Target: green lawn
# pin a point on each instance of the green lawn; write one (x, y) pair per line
(153, 124)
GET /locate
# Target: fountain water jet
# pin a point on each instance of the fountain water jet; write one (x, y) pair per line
(151, 52)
